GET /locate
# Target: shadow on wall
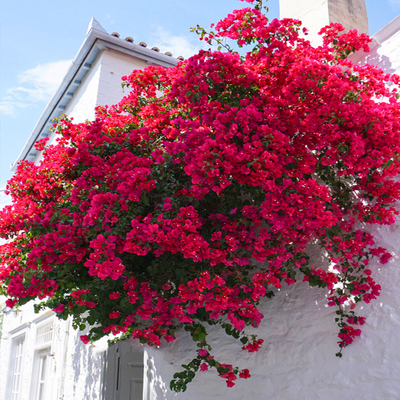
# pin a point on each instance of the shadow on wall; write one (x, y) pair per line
(381, 61)
(154, 387)
(88, 366)
(374, 58)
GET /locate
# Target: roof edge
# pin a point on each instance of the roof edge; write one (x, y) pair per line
(96, 39)
(388, 30)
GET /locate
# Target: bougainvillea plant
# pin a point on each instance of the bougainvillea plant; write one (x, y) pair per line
(199, 193)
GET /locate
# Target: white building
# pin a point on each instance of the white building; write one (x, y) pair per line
(43, 359)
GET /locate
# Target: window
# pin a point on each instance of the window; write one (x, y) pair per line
(41, 379)
(40, 374)
(16, 355)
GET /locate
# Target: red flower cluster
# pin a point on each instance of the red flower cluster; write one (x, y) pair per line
(198, 193)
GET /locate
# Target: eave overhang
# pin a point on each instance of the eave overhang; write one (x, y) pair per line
(97, 40)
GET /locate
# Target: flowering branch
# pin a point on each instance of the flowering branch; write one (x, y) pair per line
(200, 193)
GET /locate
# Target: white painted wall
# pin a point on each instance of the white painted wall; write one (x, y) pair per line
(114, 65)
(308, 12)
(384, 49)
(315, 14)
(102, 85)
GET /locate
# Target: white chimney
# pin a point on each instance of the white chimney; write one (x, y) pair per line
(315, 14)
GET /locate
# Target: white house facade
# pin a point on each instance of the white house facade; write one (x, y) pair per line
(42, 358)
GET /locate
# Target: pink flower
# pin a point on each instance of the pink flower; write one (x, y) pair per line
(167, 286)
(11, 303)
(203, 367)
(244, 374)
(60, 308)
(253, 346)
(185, 319)
(168, 179)
(290, 281)
(84, 339)
(385, 258)
(114, 314)
(367, 272)
(169, 338)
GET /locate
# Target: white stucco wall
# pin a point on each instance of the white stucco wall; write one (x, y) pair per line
(82, 105)
(384, 50)
(102, 85)
(315, 14)
(115, 65)
(308, 11)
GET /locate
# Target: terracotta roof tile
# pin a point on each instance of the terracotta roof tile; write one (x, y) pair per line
(144, 44)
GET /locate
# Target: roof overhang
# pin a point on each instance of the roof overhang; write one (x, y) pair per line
(97, 40)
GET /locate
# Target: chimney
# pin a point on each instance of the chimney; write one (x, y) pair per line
(315, 14)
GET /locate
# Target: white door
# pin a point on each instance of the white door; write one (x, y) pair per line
(124, 376)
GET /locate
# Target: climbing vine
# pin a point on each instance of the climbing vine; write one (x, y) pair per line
(199, 193)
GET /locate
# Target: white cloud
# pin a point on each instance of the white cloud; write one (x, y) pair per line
(177, 45)
(9, 105)
(35, 85)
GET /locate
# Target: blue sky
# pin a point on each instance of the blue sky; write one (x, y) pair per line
(39, 38)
